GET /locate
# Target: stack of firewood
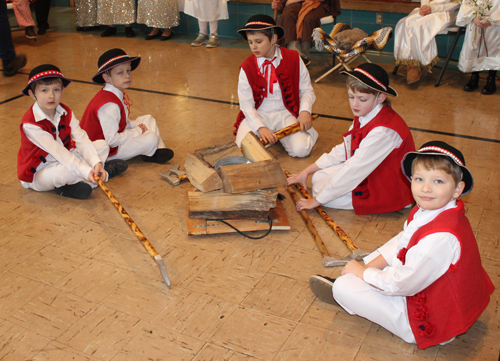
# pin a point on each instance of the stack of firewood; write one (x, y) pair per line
(238, 191)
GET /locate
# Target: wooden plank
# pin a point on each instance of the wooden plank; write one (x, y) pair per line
(252, 148)
(255, 215)
(201, 175)
(241, 178)
(212, 154)
(218, 201)
(278, 216)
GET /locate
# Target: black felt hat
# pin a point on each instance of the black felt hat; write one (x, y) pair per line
(439, 148)
(373, 76)
(261, 22)
(45, 71)
(112, 58)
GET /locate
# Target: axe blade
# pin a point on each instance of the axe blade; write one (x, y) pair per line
(337, 262)
(163, 269)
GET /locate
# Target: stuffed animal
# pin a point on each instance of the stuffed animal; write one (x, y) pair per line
(346, 39)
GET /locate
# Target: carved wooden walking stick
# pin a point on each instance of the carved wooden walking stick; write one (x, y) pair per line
(142, 238)
(285, 132)
(319, 242)
(357, 253)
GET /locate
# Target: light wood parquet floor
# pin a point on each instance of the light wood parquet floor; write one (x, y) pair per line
(75, 284)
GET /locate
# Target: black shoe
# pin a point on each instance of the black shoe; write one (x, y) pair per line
(151, 37)
(490, 87)
(163, 38)
(129, 32)
(473, 83)
(29, 31)
(11, 68)
(162, 155)
(115, 167)
(108, 32)
(42, 30)
(321, 286)
(80, 28)
(80, 190)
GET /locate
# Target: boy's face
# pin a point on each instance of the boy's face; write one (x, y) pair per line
(120, 76)
(260, 45)
(48, 97)
(362, 103)
(433, 189)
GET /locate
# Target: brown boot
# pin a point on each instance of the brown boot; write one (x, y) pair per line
(413, 74)
(402, 70)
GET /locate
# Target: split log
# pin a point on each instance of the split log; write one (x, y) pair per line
(201, 175)
(212, 154)
(249, 177)
(218, 204)
(252, 148)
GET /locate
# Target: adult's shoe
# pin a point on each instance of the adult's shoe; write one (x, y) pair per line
(11, 68)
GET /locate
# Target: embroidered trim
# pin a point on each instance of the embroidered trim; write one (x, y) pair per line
(259, 23)
(444, 151)
(111, 60)
(45, 73)
(371, 77)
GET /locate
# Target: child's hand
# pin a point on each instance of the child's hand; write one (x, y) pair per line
(305, 121)
(424, 10)
(481, 23)
(268, 136)
(355, 268)
(98, 170)
(307, 204)
(143, 127)
(275, 4)
(300, 178)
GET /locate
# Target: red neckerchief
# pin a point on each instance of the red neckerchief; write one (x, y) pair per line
(269, 74)
(128, 102)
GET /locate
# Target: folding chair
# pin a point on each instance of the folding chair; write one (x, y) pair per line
(455, 29)
(323, 40)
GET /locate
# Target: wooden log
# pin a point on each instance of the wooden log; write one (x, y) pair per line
(285, 132)
(256, 215)
(253, 149)
(218, 201)
(201, 175)
(212, 154)
(241, 178)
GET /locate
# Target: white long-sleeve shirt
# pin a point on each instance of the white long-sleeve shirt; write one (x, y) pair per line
(109, 116)
(424, 263)
(55, 147)
(373, 149)
(274, 101)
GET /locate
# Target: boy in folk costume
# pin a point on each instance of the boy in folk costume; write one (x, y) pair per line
(415, 48)
(106, 116)
(481, 48)
(55, 152)
(426, 285)
(274, 90)
(363, 173)
(299, 18)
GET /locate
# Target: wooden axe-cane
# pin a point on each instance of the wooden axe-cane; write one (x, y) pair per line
(285, 132)
(142, 238)
(319, 242)
(357, 253)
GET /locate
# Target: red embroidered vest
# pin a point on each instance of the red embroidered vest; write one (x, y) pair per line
(450, 305)
(288, 73)
(386, 189)
(90, 122)
(30, 156)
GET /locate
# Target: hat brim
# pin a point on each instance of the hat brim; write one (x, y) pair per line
(370, 83)
(134, 63)
(65, 83)
(279, 30)
(407, 162)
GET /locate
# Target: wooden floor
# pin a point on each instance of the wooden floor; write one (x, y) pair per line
(75, 284)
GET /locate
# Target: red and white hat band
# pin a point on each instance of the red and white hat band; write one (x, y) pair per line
(443, 151)
(111, 60)
(259, 23)
(45, 74)
(371, 77)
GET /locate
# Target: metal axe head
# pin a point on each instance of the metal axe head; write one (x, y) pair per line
(336, 262)
(172, 175)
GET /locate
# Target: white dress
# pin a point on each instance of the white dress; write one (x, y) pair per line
(414, 37)
(205, 10)
(475, 56)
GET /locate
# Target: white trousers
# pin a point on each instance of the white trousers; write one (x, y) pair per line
(144, 144)
(414, 36)
(298, 144)
(54, 175)
(321, 178)
(358, 298)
